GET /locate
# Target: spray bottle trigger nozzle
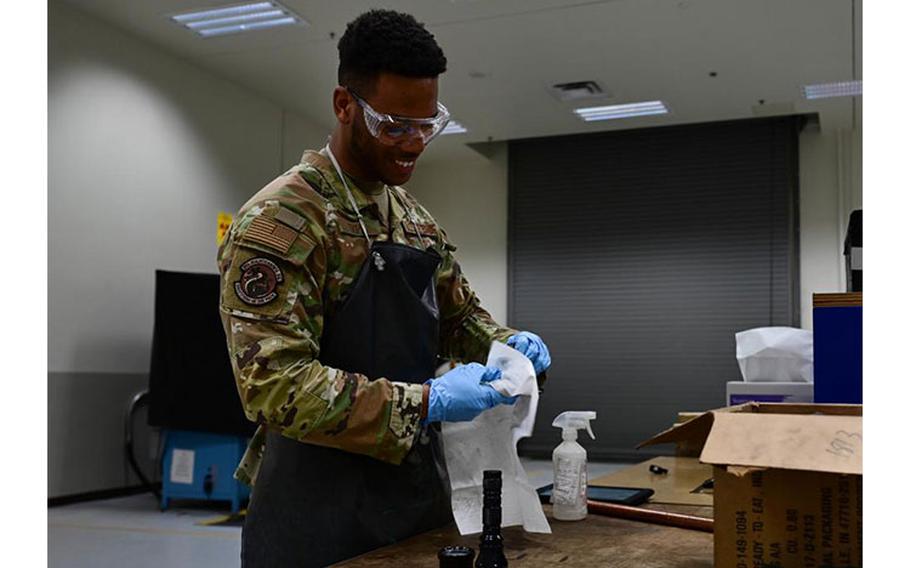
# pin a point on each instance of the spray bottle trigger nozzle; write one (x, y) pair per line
(575, 420)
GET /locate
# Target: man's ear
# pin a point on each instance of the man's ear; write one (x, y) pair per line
(344, 105)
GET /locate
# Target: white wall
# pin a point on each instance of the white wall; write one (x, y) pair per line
(467, 193)
(830, 188)
(301, 134)
(144, 150)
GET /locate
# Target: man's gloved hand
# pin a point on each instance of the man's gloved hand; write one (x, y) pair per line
(533, 347)
(463, 393)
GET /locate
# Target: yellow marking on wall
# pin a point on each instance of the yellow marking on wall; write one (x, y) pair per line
(224, 223)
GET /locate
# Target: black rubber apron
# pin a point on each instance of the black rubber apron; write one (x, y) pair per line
(313, 505)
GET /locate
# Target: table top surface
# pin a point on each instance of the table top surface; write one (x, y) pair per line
(595, 541)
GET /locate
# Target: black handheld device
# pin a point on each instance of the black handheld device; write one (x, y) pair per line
(623, 495)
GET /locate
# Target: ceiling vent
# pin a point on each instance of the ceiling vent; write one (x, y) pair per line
(577, 90)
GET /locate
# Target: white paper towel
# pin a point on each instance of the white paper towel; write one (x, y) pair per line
(490, 442)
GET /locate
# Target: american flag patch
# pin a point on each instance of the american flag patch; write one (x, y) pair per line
(267, 231)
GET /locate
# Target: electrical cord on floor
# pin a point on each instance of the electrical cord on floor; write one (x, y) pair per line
(139, 399)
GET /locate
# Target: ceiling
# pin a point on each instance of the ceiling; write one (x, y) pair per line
(504, 54)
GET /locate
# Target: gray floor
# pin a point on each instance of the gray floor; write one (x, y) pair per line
(131, 532)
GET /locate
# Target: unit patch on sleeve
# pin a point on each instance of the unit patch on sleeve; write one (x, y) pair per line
(259, 281)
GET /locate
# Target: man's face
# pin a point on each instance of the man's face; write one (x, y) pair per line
(398, 96)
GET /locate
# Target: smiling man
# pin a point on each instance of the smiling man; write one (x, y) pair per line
(339, 295)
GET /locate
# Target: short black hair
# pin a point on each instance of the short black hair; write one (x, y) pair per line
(385, 41)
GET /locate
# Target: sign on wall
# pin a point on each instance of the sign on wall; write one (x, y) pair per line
(224, 223)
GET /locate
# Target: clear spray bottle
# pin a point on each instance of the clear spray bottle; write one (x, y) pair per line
(570, 467)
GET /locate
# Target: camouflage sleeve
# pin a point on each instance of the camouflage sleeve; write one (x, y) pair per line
(466, 329)
(271, 306)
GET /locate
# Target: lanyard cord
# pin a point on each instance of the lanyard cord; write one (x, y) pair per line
(412, 219)
(347, 190)
(409, 212)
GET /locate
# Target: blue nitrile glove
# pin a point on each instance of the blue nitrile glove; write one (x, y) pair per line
(533, 347)
(463, 393)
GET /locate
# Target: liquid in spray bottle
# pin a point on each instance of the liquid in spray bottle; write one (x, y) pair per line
(570, 467)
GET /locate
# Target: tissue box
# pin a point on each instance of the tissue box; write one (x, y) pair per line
(740, 392)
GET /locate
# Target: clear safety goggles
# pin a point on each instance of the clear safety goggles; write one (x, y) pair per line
(392, 130)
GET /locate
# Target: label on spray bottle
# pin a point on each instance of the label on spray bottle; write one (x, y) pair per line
(570, 482)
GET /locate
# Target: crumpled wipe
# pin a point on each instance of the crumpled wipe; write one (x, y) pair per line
(490, 442)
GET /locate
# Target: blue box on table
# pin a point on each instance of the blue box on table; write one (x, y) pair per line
(837, 321)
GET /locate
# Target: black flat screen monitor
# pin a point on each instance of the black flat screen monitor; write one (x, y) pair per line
(191, 383)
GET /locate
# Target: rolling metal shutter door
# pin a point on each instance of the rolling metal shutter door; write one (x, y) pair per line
(638, 254)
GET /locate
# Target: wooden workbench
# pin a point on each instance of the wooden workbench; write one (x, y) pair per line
(596, 541)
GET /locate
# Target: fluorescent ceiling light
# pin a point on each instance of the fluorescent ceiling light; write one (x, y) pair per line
(825, 90)
(237, 18)
(453, 128)
(629, 110)
(207, 32)
(222, 12)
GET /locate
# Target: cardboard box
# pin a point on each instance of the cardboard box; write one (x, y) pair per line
(787, 482)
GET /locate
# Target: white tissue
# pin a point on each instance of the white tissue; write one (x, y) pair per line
(490, 442)
(775, 354)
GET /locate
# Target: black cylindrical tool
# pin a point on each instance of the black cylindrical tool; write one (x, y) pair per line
(491, 554)
(456, 557)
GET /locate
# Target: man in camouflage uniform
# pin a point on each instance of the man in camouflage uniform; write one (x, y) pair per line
(289, 263)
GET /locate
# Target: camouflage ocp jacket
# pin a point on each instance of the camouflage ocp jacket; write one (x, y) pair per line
(292, 253)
